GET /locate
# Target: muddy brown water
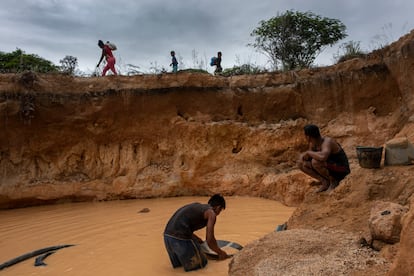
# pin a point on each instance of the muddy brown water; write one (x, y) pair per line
(114, 238)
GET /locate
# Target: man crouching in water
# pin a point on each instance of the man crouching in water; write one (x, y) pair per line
(325, 160)
(182, 245)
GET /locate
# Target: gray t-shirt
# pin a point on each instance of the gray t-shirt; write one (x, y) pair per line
(186, 220)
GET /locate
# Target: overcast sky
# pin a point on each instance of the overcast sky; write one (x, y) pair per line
(146, 30)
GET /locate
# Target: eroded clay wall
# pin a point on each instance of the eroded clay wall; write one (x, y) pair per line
(65, 138)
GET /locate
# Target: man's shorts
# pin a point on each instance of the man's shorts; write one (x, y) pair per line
(184, 252)
(337, 171)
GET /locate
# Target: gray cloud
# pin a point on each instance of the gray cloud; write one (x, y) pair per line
(146, 30)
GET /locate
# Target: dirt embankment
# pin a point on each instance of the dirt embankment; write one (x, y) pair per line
(65, 138)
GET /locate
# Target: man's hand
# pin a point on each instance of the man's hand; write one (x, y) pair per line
(305, 157)
(223, 255)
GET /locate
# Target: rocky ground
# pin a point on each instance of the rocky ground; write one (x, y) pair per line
(64, 138)
(328, 233)
(308, 252)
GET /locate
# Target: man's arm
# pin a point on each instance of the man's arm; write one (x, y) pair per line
(102, 56)
(210, 238)
(304, 156)
(324, 153)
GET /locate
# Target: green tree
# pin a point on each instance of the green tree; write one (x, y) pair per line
(68, 64)
(294, 39)
(18, 61)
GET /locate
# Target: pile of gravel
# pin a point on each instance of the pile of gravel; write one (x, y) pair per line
(305, 252)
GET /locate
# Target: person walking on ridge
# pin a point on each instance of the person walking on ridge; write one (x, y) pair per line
(110, 59)
(174, 62)
(219, 69)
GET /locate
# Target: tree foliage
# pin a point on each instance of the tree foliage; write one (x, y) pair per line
(68, 65)
(294, 39)
(18, 61)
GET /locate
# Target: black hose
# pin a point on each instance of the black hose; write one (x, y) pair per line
(32, 254)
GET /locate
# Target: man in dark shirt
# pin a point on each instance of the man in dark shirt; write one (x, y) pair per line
(219, 69)
(182, 245)
(324, 160)
(174, 62)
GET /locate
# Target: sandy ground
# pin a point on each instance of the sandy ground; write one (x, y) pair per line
(307, 252)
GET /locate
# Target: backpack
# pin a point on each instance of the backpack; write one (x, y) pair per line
(213, 61)
(111, 45)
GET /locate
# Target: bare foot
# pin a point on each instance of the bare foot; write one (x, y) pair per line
(323, 188)
(315, 183)
(333, 184)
